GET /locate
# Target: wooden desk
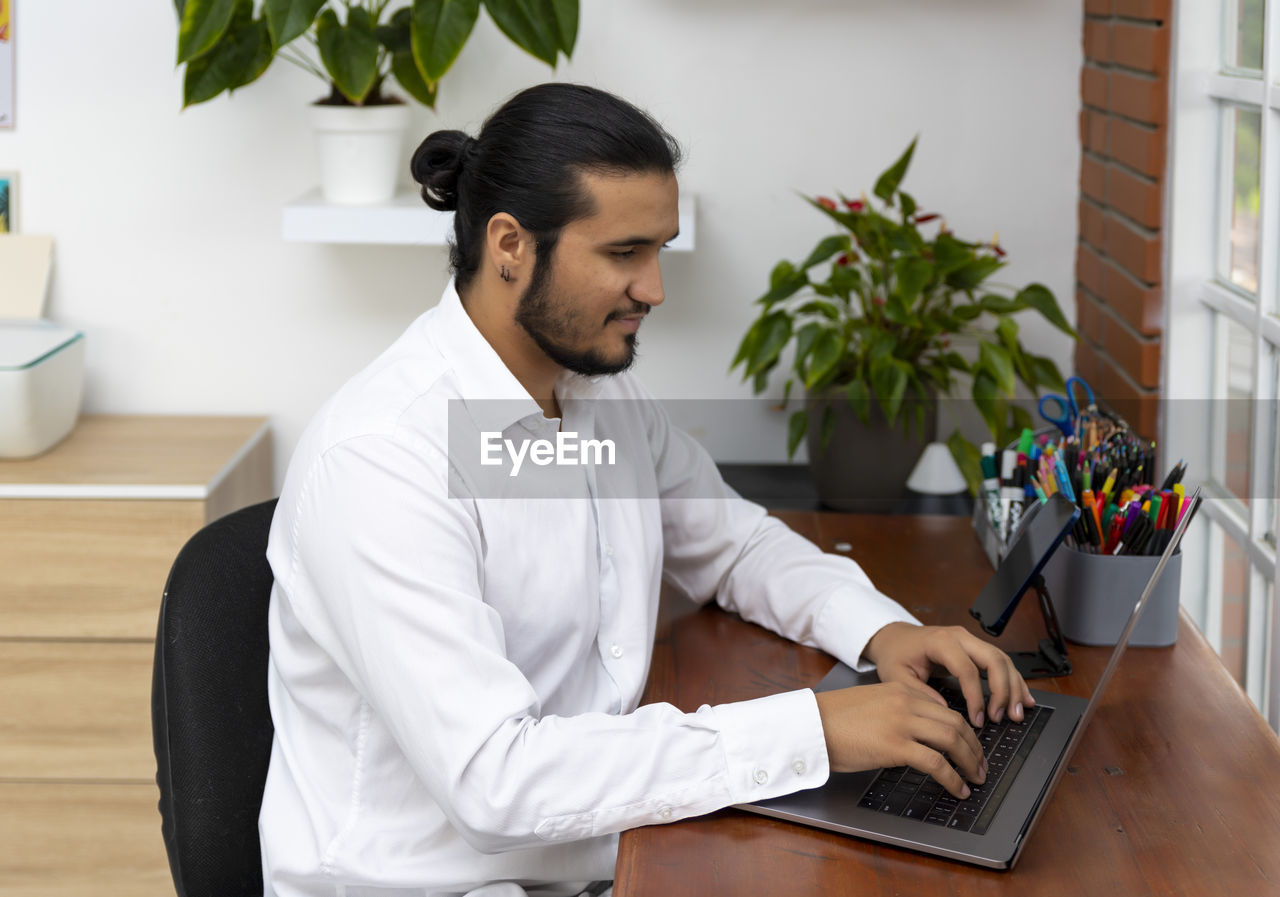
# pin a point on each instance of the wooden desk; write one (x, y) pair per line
(1172, 791)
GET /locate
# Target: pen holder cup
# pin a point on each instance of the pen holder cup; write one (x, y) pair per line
(1094, 594)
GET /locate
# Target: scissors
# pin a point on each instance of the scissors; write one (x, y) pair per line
(1064, 411)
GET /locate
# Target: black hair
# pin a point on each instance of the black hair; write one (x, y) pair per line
(527, 161)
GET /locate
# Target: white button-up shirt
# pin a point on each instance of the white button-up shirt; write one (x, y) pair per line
(457, 664)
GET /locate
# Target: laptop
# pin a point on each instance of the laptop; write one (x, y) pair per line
(905, 808)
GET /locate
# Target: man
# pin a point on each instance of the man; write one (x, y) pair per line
(456, 662)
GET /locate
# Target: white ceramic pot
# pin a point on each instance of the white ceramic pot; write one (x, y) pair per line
(360, 151)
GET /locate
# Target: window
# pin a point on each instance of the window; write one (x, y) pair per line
(1222, 343)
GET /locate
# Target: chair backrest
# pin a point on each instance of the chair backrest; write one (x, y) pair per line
(210, 720)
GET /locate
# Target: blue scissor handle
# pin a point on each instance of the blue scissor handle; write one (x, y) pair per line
(1065, 409)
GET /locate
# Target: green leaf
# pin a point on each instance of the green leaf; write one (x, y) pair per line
(531, 25)
(895, 310)
(986, 396)
(1038, 297)
(828, 347)
(239, 57)
(844, 279)
(905, 239)
(972, 273)
(798, 423)
(859, 398)
(880, 345)
(888, 182)
(747, 347)
(818, 307)
(203, 22)
(995, 360)
(1007, 330)
(1022, 419)
(566, 13)
(405, 69)
(908, 204)
(847, 220)
(439, 29)
(999, 305)
(288, 19)
(1045, 373)
(775, 330)
(805, 337)
(395, 35)
(955, 361)
(349, 52)
(968, 458)
(791, 285)
(911, 273)
(826, 248)
(950, 253)
(889, 382)
(781, 272)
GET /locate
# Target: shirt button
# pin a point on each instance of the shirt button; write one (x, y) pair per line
(665, 813)
(799, 767)
(615, 650)
(761, 777)
(608, 550)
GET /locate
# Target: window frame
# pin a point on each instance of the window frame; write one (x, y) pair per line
(1201, 89)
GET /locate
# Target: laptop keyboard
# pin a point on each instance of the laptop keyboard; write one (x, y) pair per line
(903, 791)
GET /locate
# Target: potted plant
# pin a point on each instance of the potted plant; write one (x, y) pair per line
(355, 46)
(871, 313)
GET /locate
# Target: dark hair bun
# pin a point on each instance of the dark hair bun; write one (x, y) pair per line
(437, 165)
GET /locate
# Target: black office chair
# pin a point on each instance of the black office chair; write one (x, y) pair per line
(209, 715)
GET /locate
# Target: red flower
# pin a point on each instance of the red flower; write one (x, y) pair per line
(855, 205)
(877, 300)
(843, 260)
(1000, 253)
(921, 219)
(827, 203)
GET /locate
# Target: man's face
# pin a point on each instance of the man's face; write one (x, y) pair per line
(584, 308)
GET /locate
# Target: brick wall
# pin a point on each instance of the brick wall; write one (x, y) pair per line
(1124, 88)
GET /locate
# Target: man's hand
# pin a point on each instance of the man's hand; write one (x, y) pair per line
(906, 653)
(899, 724)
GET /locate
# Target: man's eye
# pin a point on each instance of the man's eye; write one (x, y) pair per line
(624, 253)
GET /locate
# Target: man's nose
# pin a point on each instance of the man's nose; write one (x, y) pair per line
(647, 288)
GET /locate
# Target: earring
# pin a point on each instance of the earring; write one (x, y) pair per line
(505, 274)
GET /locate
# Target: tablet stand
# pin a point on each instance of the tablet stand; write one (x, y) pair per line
(1050, 657)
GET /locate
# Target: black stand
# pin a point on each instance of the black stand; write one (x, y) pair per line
(1050, 658)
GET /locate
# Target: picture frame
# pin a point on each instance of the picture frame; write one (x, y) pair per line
(6, 64)
(8, 202)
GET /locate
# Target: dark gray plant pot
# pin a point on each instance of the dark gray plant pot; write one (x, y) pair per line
(865, 466)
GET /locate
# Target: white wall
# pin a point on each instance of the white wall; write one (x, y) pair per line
(167, 223)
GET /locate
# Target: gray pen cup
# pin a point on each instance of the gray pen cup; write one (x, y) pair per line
(1094, 594)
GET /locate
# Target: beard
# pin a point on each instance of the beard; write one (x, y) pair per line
(552, 325)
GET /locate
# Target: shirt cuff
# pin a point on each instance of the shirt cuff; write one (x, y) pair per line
(772, 745)
(849, 619)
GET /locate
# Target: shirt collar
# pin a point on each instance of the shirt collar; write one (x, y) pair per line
(493, 396)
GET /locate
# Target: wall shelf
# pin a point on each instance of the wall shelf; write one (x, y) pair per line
(404, 221)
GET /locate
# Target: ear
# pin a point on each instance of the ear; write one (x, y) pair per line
(508, 245)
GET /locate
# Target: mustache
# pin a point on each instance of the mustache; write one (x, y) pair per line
(637, 308)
